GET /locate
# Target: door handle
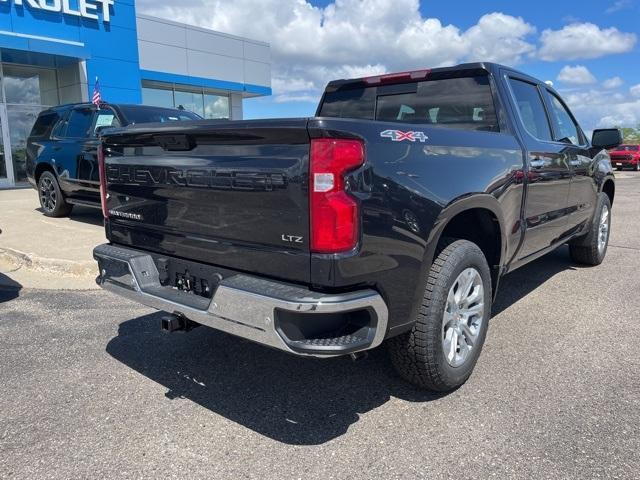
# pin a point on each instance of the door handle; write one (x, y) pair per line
(537, 163)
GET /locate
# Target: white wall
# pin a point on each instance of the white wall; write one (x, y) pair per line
(180, 49)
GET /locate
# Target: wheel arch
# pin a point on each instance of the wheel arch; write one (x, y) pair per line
(41, 168)
(484, 213)
(609, 188)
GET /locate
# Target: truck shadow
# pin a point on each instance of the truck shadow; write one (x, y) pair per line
(9, 289)
(297, 401)
(522, 282)
(88, 215)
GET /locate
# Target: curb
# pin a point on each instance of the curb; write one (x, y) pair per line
(32, 262)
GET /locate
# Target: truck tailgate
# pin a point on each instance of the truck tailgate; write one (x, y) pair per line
(233, 194)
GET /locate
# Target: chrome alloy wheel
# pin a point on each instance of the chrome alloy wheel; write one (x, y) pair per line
(48, 195)
(463, 317)
(603, 230)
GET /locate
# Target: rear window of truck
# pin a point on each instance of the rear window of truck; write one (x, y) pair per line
(143, 114)
(462, 103)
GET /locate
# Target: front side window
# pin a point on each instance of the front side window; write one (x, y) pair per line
(79, 123)
(531, 108)
(566, 128)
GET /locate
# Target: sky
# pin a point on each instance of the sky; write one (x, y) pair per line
(590, 50)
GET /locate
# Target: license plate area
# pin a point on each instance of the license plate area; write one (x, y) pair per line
(190, 277)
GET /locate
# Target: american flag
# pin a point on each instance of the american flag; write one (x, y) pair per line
(97, 97)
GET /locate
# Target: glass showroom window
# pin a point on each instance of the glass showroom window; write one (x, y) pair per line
(158, 97)
(190, 101)
(30, 85)
(26, 91)
(216, 106)
(207, 104)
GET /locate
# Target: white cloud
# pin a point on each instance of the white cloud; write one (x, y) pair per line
(312, 45)
(578, 75)
(351, 38)
(584, 40)
(612, 83)
(597, 108)
(619, 5)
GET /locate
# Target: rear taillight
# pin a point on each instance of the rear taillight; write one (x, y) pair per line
(334, 213)
(103, 181)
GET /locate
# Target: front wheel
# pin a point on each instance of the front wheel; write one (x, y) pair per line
(592, 248)
(442, 349)
(51, 199)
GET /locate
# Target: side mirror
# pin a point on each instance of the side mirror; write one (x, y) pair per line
(607, 138)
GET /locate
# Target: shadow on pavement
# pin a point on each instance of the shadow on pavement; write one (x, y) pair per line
(297, 401)
(9, 289)
(91, 216)
(517, 285)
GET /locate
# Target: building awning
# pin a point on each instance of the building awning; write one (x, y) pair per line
(45, 45)
(246, 89)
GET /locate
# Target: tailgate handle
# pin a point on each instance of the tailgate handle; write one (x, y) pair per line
(175, 143)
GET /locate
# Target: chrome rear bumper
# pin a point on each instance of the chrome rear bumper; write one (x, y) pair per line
(250, 307)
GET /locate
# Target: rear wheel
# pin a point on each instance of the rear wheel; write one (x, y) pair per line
(51, 199)
(443, 347)
(592, 248)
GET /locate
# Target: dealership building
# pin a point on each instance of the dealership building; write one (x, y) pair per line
(52, 52)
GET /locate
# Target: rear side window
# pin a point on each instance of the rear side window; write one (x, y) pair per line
(462, 103)
(44, 124)
(531, 108)
(79, 123)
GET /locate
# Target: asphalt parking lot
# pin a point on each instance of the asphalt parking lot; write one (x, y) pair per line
(90, 388)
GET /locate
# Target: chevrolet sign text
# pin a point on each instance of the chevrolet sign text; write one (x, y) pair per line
(78, 8)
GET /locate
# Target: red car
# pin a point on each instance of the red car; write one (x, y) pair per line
(626, 156)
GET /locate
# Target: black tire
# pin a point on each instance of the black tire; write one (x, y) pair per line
(51, 198)
(586, 250)
(619, 169)
(419, 355)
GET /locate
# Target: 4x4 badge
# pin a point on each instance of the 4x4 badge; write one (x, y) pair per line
(400, 136)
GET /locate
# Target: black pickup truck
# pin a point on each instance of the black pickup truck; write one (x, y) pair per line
(390, 216)
(62, 150)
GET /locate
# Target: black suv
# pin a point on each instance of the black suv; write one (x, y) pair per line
(62, 158)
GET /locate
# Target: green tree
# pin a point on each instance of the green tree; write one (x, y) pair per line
(631, 135)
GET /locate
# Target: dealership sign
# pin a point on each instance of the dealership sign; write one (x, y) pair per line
(77, 8)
